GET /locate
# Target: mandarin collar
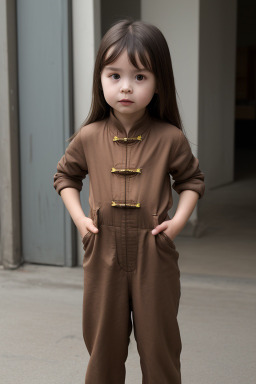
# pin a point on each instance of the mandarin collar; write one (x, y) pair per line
(138, 128)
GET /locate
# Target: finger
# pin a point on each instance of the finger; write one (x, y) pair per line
(92, 228)
(159, 228)
(156, 230)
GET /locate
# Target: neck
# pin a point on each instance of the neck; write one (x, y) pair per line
(129, 120)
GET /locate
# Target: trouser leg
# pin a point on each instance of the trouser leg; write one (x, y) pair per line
(155, 296)
(106, 312)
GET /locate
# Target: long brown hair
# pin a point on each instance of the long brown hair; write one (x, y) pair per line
(151, 47)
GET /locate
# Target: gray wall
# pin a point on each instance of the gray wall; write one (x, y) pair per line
(217, 56)
(113, 10)
(10, 239)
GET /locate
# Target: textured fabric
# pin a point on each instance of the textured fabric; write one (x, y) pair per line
(128, 270)
(163, 150)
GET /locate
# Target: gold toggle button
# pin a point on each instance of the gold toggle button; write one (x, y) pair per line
(124, 205)
(127, 139)
(126, 171)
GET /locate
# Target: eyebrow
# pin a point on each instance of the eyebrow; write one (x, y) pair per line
(120, 69)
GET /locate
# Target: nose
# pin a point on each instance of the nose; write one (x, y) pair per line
(126, 88)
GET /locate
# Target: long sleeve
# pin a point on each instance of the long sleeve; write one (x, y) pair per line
(184, 168)
(72, 167)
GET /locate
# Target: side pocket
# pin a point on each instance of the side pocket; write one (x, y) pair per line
(162, 235)
(86, 238)
(168, 239)
(95, 218)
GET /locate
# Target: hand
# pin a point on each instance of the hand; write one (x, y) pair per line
(84, 225)
(170, 227)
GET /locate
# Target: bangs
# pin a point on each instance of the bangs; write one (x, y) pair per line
(134, 50)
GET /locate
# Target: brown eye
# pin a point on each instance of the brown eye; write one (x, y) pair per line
(115, 76)
(139, 77)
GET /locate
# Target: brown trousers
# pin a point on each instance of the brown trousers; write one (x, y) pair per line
(129, 270)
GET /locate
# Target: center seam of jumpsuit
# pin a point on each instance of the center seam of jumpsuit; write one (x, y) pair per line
(127, 240)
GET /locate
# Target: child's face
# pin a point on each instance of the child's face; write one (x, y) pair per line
(121, 80)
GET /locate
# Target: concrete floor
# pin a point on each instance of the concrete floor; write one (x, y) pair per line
(40, 306)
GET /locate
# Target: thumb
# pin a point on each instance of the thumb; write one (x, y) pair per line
(159, 228)
(92, 228)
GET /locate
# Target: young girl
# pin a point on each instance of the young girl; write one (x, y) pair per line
(130, 144)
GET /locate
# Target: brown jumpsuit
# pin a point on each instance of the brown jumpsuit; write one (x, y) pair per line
(127, 268)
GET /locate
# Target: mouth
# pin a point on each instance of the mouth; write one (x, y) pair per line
(125, 101)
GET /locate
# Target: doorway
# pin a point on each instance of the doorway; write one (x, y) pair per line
(245, 109)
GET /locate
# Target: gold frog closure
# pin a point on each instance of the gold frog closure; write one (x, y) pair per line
(126, 171)
(124, 205)
(127, 139)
